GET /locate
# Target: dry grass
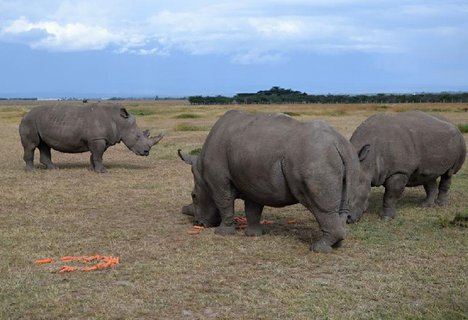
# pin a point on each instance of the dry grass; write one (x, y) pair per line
(414, 267)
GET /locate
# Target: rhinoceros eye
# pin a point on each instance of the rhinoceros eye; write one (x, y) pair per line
(193, 195)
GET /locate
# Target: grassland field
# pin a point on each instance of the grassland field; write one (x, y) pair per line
(414, 267)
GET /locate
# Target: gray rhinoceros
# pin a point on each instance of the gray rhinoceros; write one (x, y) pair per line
(75, 129)
(274, 160)
(406, 150)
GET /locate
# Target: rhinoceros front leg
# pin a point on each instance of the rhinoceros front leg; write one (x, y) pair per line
(394, 187)
(253, 212)
(444, 186)
(431, 193)
(45, 156)
(223, 196)
(97, 148)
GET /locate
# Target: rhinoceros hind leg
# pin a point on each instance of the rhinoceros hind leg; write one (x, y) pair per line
(444, 186)
(29, 157)
(394, 187)
(253, 212)
(431, 193)
(45, 156)
(333, 231)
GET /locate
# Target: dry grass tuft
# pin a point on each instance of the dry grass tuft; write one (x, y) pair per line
(410, 268)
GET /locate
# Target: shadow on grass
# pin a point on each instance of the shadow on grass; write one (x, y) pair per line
(108, 166)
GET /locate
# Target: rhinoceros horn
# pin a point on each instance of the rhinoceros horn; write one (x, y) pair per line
(157, 138)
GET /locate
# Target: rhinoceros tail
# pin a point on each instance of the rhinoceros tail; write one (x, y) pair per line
(462, 156)
(349, 170)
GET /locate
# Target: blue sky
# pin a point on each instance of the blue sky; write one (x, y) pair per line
(177, 48)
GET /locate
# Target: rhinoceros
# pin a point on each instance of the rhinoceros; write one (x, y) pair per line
(406, 150)
(274, 160)
(75, 129)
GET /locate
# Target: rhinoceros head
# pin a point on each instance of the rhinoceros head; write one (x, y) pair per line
(203, 208)
(360, 201)
(140, 142)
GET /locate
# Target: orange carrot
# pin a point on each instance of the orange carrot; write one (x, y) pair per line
(43, 261)
(193, 232)
(199, 227)
(292, 221)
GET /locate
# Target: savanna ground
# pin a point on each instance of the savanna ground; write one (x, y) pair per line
(414, 267)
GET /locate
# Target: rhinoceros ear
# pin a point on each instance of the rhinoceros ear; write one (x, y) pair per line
(188, 159)
(124, 113)
(364, 152)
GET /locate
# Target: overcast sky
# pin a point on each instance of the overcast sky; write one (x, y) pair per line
(177, 48)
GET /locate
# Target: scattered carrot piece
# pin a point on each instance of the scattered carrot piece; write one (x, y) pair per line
(292, 221)
(266, 222)
(107, 262)
(67, 269)
(43, 261)
(199, 227)
(193, 232)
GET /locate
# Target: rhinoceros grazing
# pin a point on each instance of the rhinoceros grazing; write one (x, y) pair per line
(76, 129)
(274, 160)
(406, 150)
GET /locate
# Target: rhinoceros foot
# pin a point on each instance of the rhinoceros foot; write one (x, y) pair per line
(321, 247)
(442, 201)
(387, 214)
(225, 230)
(254, 231)
(428, 203)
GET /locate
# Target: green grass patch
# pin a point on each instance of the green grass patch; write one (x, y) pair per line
(142, 112)
(291, 113)
(381, 107)
(190, 127)
(195, 152)
(463, 127)
(187, 116)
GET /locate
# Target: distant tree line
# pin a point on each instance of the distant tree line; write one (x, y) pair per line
(277, 95)
(32, 99)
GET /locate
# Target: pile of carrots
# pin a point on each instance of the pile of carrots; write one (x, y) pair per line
(106, 262)
(242, 222)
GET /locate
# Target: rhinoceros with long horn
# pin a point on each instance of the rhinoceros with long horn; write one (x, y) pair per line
(76, 129)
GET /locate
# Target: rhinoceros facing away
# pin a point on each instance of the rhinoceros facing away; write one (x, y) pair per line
(76, 129)
(274, 160)
(406, 150)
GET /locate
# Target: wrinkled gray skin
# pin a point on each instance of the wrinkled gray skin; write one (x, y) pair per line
(274, 160)
(76, 129)
(406, 150)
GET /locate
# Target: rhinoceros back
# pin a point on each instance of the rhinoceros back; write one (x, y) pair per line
(66, 129)
(413, 143)
(268, 157)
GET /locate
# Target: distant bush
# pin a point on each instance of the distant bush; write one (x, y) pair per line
(187, 116)
(189, 127)
(463, 127)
